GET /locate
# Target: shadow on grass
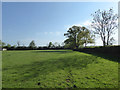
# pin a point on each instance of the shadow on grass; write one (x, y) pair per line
(35, 69)
(105, 56)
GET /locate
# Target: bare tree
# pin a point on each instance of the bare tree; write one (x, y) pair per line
(18, 43)
(104, 23)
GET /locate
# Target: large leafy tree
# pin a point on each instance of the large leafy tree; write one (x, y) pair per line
(104, 23)
(72, 36)
(85, 36)
(77, 36)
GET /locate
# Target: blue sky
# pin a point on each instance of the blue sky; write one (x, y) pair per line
(46, 21)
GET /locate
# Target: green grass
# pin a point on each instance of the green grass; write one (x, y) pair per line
(57, 69)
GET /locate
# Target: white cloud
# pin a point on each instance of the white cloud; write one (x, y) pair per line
(54, 33)
(86, 23)
(50, 32)
(68, 26)
(98, 41)
(58, 33)
(45, 33)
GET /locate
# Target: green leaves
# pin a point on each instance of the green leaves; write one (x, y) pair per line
(78, 36)
(32, 44)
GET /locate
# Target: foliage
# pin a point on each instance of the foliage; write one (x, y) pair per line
(77, 36)
(72, 36)
(8, 45)
(32, 44)
(85, 36)
(104, 24)
(57, 45)
(2, 44)
(50, 45)
(14, 46)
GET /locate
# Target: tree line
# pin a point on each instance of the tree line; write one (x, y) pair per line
(31, 46)
(103, 24)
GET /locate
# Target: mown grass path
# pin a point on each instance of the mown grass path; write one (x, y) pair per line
(57, 69)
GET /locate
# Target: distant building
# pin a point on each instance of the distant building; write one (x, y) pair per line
(4, 49)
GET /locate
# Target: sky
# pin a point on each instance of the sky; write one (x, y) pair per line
(46, 22)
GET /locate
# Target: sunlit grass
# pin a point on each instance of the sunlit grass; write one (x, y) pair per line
(57, 69)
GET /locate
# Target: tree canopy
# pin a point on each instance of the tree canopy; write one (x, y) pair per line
(32, 44)
(85, 37)
(78, 36)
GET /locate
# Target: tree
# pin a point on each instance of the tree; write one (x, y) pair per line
(0, 45)
(62, 44)
(78, 36)
(112, 40)
(3, 44)
(85, 36)
(57, 45)
(50, 45)
(32, 44)
(72, 36)
(104, 23)
(14, 46)
(18, 43)
(8, 46)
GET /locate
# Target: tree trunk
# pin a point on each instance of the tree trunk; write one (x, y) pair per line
(108, 39)
(85, 44)
(104, 43)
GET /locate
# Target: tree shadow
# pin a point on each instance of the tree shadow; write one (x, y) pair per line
(35, 69)
(105, 56)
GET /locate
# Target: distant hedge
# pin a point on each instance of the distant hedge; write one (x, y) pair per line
(36, 48)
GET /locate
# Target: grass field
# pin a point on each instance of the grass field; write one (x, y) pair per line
(57, 69)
